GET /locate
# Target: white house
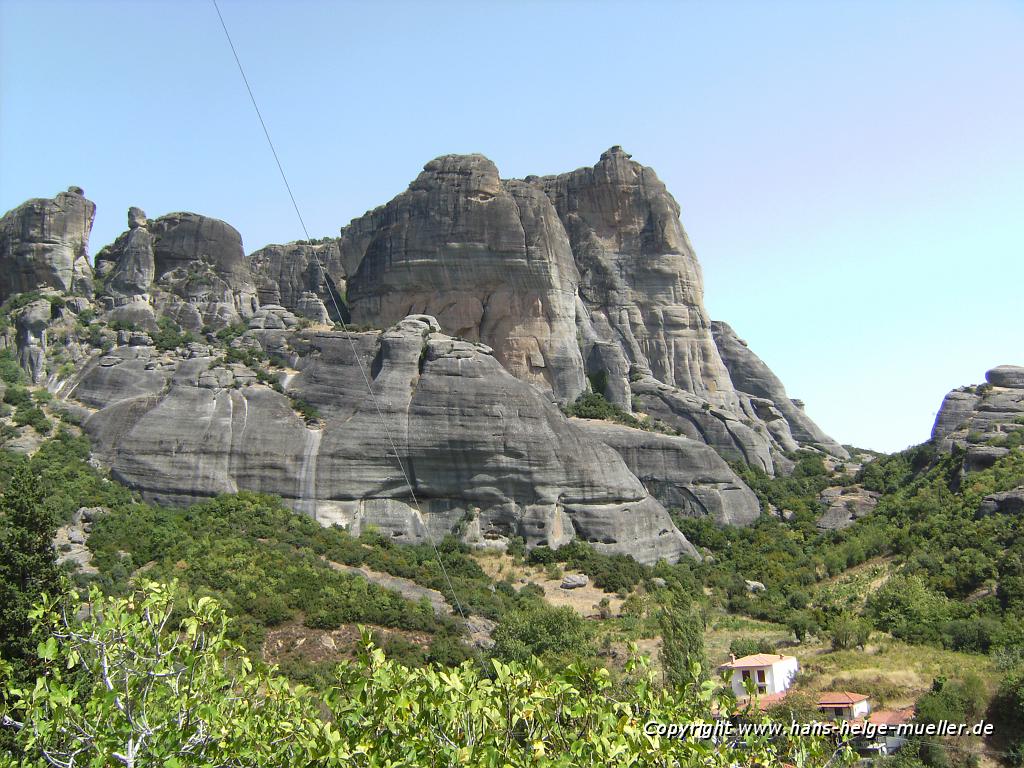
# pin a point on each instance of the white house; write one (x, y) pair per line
(771, 673)
(844, 705)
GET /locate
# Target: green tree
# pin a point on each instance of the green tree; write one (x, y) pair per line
(144, 682)
(27, 568)
(682, 642)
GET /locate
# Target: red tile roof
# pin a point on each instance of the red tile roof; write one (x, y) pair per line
(840, 699)
(892, 716)
(756, 660)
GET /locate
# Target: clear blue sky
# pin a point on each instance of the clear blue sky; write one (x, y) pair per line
(851, 174)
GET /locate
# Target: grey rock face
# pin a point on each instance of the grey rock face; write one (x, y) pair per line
(1011, 376)
(488, 258)
(290, 275)
(31, 324)
(1008, 502)
(574, 581)
(129, 265)
(639, 278)
(752, 377)
(45, 244)
(477, 442)
(843, 505)
(956, 407)
(188, 267)
(982, 418)
(734, 436)
(681, 473)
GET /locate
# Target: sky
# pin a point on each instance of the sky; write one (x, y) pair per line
(851, 174)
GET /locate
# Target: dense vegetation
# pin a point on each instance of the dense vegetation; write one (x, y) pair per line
(146, 681)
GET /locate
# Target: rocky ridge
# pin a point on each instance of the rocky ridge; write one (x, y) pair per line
(493, 300)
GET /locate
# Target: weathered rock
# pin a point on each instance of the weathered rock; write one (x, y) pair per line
(473, 438)
(639, 278)
(1011, 376)
(983, 418)
(273, 316)
(733, 436)
(957, 406)
(751, 376)
(574, 581)
(488, 258)
(1006, 503)
(293, 276)
(981, 457)
(844, 504)
(31, 324)
(681, 473)
(753, 586)
(45, 244)
(130, 263)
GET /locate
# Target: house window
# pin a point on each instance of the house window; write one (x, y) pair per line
(760, 676)
(746, 675)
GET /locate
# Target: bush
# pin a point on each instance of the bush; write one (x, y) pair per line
(169, 335)
(848, 631)
(540, 630)
(748, 646)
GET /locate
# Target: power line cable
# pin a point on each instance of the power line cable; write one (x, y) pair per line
(324, 276)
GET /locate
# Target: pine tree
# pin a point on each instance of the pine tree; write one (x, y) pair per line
(682, 641)
(27, 565)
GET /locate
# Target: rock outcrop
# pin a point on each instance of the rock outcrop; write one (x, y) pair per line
(765, 397)
(681, 473)
(640, 284)
(31, 325)
(44, 243)
(588, 272)
(984, 419)
(542, 288)
(480, 445)
(188, 267)
(488, 258)
(845, 504)
(1008, 502)
(302, 278)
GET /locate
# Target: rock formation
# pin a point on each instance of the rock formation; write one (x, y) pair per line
(764, 397)
(640, 284)
(291, 276)
(488, 258)
(542, 288)
(479, 444)
(45, 244)
(681, 473)
(188, 267)
(984, 415)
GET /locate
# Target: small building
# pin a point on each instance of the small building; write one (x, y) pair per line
(890, 741)
(844, 705)
(771, 673)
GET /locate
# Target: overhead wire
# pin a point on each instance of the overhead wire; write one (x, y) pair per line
(341, 319)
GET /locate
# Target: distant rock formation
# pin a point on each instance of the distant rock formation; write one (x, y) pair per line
(983, 420)
(44, 243)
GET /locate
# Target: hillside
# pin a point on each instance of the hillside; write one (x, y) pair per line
(490, 422)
